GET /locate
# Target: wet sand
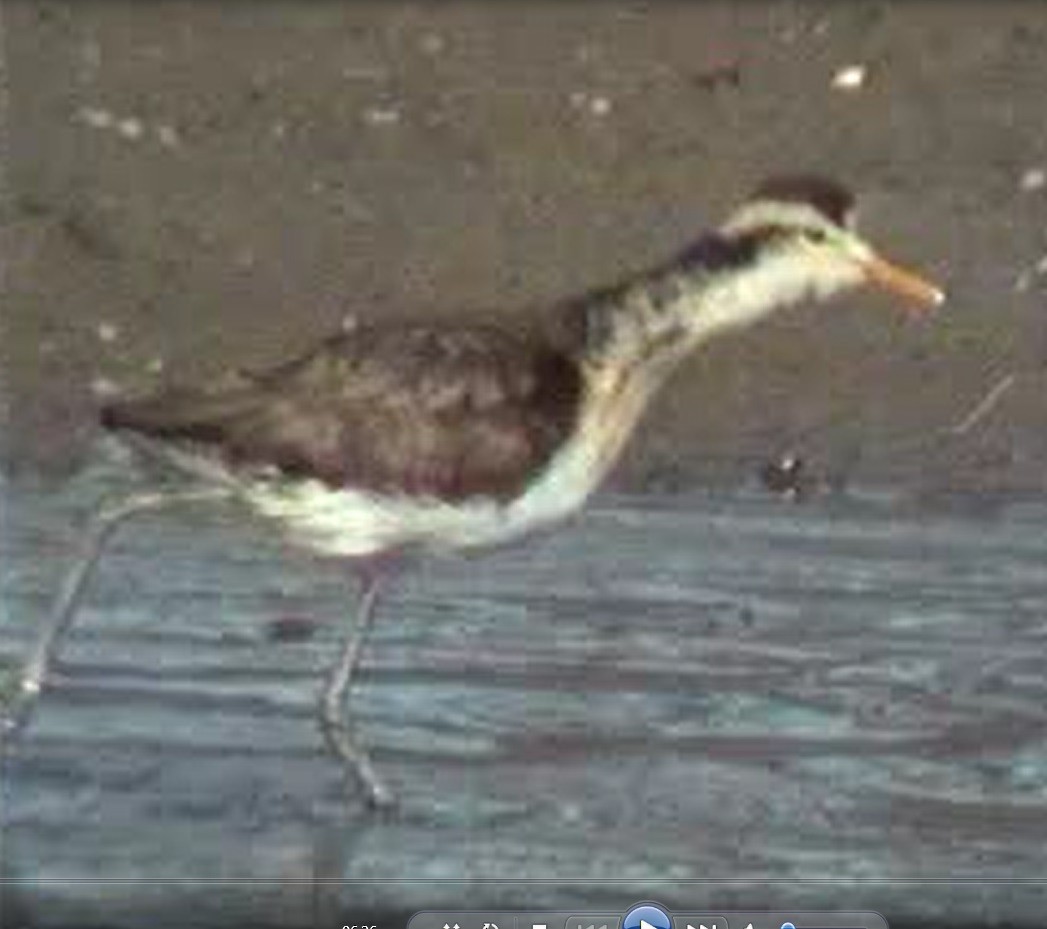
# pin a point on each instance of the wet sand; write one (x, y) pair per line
(194, 187)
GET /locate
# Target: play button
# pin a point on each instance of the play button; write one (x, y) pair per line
(646, 917)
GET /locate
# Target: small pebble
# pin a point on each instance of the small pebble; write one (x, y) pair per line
(382, 115)
(597, 105)
(108, 332)
(130, 128)
(1033, 179)
(849, 78)
(432, 43)
(1025, 280)
(97, 118)
(103, 388)
(154, 365)
(167, 136)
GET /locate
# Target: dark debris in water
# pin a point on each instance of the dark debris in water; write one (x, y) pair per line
(291, 628)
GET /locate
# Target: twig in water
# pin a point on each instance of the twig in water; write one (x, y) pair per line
(985, 404)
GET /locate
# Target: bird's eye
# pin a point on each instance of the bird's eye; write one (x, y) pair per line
(817, 236)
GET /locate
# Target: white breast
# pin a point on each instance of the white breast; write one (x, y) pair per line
(356, 523)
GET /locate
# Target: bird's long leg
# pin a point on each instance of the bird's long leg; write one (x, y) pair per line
(15, 716)
(333, 699)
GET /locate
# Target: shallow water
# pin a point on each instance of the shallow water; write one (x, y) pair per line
(730, 689)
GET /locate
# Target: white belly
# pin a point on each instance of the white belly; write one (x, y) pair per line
(356, 523)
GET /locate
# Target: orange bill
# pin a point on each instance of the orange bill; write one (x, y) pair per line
(905, 284)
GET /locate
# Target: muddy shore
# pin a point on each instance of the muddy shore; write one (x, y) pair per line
(193, 187)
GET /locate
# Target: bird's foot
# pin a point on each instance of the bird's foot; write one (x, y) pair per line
(18, 697)
(355, 762)
(361, 775)
(379, 796)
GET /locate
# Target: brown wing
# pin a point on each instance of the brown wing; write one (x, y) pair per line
(444, 412)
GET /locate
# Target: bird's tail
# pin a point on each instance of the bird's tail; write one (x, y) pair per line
(182, 413)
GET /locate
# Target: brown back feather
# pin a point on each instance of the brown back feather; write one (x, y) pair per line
(445, 412)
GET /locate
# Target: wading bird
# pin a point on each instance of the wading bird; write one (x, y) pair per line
(398, 438)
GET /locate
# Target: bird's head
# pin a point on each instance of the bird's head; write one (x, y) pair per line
(795, 238)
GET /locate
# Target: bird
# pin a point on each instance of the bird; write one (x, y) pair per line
(397, 439)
